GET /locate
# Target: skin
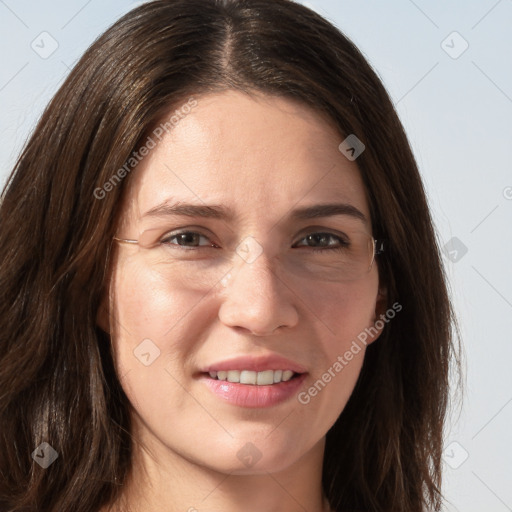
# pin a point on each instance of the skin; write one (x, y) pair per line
(262, 156)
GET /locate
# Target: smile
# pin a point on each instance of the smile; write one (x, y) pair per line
(263, 378)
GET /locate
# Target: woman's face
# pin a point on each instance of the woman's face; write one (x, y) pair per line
(248, 292)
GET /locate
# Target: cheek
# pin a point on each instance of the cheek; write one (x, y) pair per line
(153, 340)
(345, 312)
(152, 317)
(147, 303)
(349, 315)
(352, 314)
(326, 394)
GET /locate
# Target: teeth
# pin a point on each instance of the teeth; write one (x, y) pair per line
(287, 375)
(263, 378)
(247, 377)
(233, 376)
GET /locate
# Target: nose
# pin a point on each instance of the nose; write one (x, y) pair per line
(257, 299)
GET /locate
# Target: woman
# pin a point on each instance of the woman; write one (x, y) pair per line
(222, 284)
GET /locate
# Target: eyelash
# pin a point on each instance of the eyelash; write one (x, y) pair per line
(342, 246)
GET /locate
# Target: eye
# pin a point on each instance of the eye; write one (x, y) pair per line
(188, 239)
(325, 241)
(191, 240)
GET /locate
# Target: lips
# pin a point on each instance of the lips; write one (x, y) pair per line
(254, 382)
(256, 364)
(254, 396)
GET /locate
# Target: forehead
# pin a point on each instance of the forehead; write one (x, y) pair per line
(259, 156)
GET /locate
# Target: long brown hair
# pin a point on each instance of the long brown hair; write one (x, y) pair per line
(57, 379)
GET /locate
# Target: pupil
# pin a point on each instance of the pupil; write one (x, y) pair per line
(319, 238)
(187, 237)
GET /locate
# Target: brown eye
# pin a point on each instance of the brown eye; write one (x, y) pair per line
(325, 242)
(188, 239)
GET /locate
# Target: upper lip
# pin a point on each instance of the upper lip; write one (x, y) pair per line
(256, 364)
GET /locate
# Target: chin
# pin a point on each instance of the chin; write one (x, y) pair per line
(246, 467)
(254, 458)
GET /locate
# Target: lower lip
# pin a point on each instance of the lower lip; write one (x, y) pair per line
(253, 396)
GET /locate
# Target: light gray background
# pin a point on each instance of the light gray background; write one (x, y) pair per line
(457, 110)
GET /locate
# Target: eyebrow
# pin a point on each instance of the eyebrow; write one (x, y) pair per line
(225, 213)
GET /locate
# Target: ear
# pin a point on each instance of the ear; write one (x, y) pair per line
(379, 321)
